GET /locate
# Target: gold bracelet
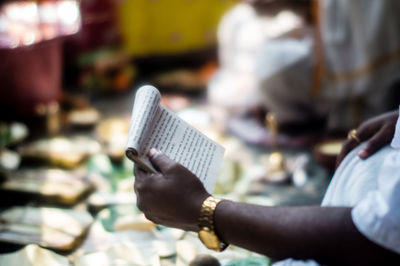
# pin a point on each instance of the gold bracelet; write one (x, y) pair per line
(207, 232)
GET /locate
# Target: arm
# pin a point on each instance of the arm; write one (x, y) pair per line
(325, 234)
(174, 196)
(376, 132)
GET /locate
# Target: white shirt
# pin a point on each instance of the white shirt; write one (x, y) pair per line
(356, 35)
(372, 188)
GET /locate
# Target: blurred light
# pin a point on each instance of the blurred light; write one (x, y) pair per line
(68, 12)
(28, 38)
(47, 13)
(3, 24)
(29, 22)
(283, 22)
(13, 43)
(29, 13)
(288, 20)
(13, 12)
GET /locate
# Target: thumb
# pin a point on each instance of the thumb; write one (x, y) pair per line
(159, 160)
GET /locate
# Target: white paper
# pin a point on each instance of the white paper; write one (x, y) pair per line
(177, 139)
(146, 103)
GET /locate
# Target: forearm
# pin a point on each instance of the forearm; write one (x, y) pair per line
(326, 234)
(174, 197)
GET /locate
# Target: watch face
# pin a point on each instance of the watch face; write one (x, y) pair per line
(209, 239)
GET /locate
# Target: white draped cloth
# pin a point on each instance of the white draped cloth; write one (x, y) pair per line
(372, 188)
(361, 51)
(359, 58)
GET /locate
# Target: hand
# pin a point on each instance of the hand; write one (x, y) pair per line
(172, 197)
(377, 132)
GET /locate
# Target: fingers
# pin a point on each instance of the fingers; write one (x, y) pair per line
(160, 161)
(365, 131)
(380, 139)
(143, 180)
(377, 138)
(137, 171)
(140, 175)
(144, 186)
(361, 134)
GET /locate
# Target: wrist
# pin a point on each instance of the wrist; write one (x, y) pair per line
(194, 212)
(206, 222)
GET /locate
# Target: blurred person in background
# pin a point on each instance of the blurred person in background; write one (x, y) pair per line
(342, 69)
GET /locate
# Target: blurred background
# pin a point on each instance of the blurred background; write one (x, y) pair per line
(278, 83)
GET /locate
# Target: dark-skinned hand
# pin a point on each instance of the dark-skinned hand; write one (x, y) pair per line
(376, 132)
(172, 197)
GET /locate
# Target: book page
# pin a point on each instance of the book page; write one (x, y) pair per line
(185, 145)
(146, 104)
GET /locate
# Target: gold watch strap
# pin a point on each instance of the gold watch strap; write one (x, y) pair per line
(206, 219)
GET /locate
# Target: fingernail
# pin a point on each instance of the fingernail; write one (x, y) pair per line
(152, 152)
(363, 153)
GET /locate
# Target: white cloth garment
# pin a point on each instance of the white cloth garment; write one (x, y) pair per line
(372, 188)
(360, 56)
(361, 46)
(396, 139)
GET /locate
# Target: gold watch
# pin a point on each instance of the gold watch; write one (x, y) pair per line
(206, 232)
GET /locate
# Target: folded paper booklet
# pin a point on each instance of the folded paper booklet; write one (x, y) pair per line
(154, 126)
